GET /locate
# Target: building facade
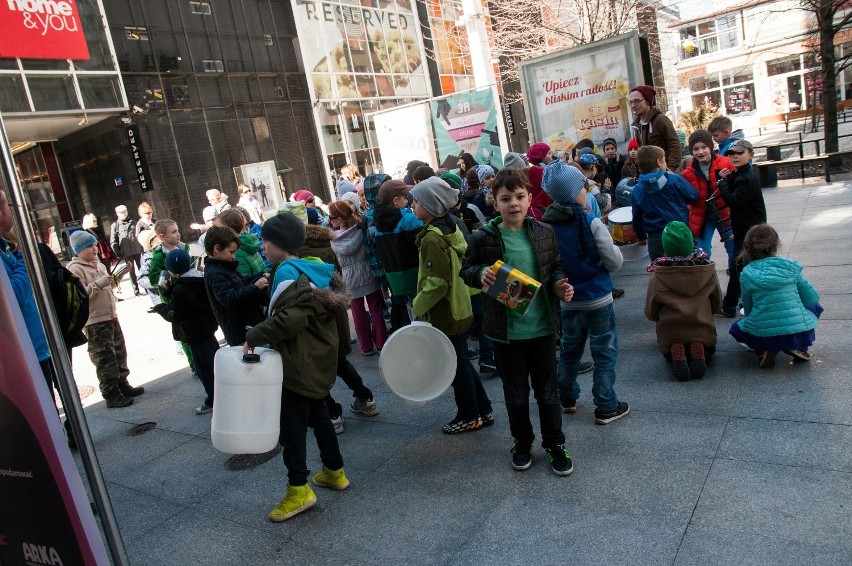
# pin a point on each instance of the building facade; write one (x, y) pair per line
(756, 62)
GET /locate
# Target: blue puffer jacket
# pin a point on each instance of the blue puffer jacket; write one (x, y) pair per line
(775, 294)
(17, 272)
(660, 197)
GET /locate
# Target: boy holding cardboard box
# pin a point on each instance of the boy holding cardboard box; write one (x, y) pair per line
(523, 343)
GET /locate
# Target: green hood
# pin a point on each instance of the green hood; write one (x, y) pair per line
(249, 243)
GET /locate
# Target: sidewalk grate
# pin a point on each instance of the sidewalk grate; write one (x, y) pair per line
(239, 462)
(141, 429)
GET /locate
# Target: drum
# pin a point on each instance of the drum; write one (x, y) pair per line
(621, 224)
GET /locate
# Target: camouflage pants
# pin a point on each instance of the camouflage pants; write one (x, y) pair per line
(108, 354)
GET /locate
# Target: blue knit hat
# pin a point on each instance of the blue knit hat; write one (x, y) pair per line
(81, 239)
(177, 261)
(484, 171)
(562, 182)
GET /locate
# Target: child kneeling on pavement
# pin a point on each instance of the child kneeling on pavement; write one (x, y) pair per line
(306, 297)
(683, 294)
(524, 345)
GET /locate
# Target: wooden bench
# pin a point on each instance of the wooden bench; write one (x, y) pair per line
(763, 167)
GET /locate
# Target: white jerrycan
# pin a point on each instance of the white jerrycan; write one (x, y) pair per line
(247, 400)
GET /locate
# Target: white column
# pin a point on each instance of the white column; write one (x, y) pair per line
(477, 37)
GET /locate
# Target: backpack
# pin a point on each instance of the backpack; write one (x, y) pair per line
(70, 299)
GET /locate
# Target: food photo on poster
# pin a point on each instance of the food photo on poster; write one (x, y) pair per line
(365, 49)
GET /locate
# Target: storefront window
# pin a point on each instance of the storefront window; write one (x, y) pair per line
(794, 82)
(737, 96)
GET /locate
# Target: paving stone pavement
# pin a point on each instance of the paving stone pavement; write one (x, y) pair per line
(743, 467)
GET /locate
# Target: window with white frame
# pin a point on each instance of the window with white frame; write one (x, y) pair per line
(709, 36)
(732, 90)
(795, 82)
(213, 66)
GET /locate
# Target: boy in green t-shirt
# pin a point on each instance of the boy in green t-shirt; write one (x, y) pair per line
(524, 345)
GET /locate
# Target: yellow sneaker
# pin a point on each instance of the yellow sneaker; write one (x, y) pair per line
(335, 479)
(298, 499)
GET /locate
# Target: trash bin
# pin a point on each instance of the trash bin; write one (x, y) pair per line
(769, 173)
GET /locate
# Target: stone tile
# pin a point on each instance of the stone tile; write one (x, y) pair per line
(801, 444)
(829, 279)
(138, 513)
(722, 547)
(772, 397)
(113, 452)
(529, 530)
(195, 537)
(186, 474)
(796, 504)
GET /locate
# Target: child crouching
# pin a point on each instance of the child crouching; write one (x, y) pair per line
(781, 306)
(302, 328)
(683, 294)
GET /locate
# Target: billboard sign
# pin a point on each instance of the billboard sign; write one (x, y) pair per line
(42, 29)
(467, 122)
(357, 50)
(404, 134)
(581, 93)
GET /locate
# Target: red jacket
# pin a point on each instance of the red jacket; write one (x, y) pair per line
(539, 200)
(698, 211)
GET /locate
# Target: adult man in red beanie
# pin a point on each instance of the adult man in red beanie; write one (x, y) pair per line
(652, 127)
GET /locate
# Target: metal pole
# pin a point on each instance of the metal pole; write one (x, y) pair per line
(67, 385)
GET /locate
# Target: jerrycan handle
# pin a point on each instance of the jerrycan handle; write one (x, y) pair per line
(251, 358)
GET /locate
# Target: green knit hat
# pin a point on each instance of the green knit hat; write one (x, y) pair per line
(677, 240)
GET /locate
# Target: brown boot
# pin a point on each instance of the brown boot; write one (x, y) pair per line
(128, 390)
(116, 399)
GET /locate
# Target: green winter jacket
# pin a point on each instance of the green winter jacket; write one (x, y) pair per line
(775, 294)
(248, 257)
(158, 263)
(302, 328)
(442, 297)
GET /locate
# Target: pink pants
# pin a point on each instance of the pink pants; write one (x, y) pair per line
(370, 328)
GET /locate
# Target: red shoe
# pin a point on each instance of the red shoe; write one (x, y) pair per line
(680, 368)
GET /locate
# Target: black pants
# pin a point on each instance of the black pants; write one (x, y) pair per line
(399, 312)
(132, 265)
(471, 399)
(203, 354)
(350, 376)
(732, 293)
(531, 362)
(297, 414)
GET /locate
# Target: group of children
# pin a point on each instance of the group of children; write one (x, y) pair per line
(435, 267)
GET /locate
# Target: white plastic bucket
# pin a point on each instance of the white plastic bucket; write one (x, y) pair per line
(247, 402)
(418, 362)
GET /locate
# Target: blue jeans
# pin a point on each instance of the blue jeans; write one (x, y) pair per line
(705, 241)
(598, 326)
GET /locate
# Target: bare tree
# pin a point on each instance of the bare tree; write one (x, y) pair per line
(832, 18)
(524, 29)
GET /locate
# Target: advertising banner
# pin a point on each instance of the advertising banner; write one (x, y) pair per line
(41, 29)
(45, 517)
(361, 48)
(581, 93)
(403, 135)
(263, 179)
(467, 122)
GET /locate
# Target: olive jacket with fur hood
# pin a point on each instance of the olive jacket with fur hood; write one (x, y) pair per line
(302, 325)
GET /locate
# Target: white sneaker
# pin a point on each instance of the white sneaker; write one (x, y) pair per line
(338, 424)
(366, 408)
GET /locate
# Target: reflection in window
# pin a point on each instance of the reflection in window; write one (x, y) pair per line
(709, 36)
(13, 98)
(53, 93)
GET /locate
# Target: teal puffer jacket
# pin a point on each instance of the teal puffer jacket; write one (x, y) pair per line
(775, 294)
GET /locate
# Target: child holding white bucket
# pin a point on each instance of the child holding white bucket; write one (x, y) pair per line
(306, 297)
(524, 345)
(443, 300)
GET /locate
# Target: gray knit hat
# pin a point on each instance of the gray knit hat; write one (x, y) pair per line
(562, 182)
(435, 195)
(702, 136)
(515, 160)
(81, 239)
(286, 231)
